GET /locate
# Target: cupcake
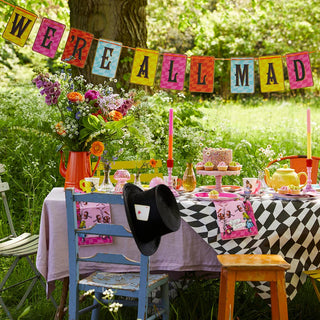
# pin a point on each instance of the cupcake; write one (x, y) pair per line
(294, 189)
(222, 166)
(208, 166)
(283, 190)
(234, 166)
(200, 166)
(213, 194)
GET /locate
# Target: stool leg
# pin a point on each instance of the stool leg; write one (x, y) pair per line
(226, 294)
(282, 295)
(275, 315)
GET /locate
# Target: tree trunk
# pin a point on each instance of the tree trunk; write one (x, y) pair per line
(118, 20)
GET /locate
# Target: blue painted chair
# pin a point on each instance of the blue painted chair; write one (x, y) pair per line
(131, 285)
(22, 247)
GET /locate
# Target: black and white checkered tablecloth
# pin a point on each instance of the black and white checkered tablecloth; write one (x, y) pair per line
(288, 228)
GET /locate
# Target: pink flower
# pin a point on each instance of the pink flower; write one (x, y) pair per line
(92, 95)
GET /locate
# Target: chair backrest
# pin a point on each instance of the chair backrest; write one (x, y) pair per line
(98, 229)
(132, 166)
(4, 186)
(299, 164)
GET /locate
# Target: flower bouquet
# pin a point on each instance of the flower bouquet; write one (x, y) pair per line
(87, 118)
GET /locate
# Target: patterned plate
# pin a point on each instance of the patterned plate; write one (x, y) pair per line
(223, 196)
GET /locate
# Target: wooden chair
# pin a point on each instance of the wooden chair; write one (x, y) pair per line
(252, 267)
(132, 166)
(20, 247)
(132, 285)
(298, 163)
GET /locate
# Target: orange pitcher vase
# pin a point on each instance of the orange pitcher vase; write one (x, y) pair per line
(78, 168)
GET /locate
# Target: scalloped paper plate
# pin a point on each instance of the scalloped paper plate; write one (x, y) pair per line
(223, 196)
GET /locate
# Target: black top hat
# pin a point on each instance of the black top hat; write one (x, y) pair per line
(150, 215)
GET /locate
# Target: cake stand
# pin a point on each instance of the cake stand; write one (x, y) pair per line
(218, 175)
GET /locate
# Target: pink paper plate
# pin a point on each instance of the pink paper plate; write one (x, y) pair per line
(223, 196)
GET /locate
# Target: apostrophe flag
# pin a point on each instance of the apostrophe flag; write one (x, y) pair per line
(201, 74)
(77, 47)
(144, 67)
(173, 71)
(48, 37)
(299, 70)
(271, 74)
(19, 26)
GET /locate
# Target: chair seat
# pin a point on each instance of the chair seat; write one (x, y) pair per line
(120, 281)
(24, 245)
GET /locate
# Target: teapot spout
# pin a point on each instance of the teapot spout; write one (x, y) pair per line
(267, 177)
(62, 167)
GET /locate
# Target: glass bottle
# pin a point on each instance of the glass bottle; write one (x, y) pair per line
(106, 185)
(189, 181)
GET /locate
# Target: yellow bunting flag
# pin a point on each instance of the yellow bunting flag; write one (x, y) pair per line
(144, 67)
(271, 74)
(19, 26)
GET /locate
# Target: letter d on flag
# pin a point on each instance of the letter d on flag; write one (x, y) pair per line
(19, 26)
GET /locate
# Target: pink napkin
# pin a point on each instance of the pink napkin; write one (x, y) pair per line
(235, 219)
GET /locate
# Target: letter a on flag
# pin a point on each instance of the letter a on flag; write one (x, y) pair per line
(77, 47)
(201, 74)
(48, 38)
(144, 66)
(173, 71)
(271, 74)
(299, 70)
(19, 26)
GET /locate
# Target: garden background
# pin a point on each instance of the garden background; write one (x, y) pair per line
(257, 126)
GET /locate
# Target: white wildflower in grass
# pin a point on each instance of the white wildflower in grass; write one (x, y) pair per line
(89, 292)
(114, 307)
(108, 294)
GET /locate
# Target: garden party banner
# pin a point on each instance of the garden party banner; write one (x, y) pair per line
(145, 62)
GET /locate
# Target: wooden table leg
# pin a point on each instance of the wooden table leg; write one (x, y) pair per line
(64, 293)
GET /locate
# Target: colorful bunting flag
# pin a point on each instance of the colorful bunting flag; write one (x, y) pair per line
(107, 58)
(77, 47)
(173, 71)
(271, 74)
(201, 74)
(242, 75)
(19, 26)
(48, 38)
(299, 70)
(144, 67)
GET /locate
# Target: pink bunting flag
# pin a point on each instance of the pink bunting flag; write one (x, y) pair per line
(299, 70)
(48, 38)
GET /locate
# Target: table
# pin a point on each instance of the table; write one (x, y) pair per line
(287, 228)
(178, 252)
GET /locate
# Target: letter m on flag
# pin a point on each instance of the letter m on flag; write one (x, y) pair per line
(19, 26)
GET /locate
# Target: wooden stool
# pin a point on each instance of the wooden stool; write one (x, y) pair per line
(253, 267)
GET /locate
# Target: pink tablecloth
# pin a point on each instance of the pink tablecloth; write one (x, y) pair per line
(183, 250)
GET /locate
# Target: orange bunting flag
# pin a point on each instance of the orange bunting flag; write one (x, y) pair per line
(77, 47)
(201, 74)
(144, 67)
(271, 74)
(19, 26)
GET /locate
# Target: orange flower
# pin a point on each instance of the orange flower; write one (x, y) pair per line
(60, 128)
(97, 148)
(75, 97)
(153, 163)
(115, 115)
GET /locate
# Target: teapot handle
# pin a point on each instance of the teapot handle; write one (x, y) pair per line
(304, 174)
(96, 166)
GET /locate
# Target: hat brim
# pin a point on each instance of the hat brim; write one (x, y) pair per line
(147, 248)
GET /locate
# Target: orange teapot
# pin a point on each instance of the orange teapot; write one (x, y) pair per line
(284, 177)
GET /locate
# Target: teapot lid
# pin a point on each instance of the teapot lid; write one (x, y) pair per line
(285, 169)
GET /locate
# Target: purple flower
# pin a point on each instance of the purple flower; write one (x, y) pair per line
(78, 115)
(92, 95)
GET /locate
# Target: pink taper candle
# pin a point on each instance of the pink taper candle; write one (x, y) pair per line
(308, 134)
(170, 134)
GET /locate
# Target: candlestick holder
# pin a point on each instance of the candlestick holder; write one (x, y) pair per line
(308, 187)
(170, 182)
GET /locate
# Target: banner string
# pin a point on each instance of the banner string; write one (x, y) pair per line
(173, 54)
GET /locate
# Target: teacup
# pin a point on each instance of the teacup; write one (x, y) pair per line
(174, 180)
(251, 185)
(94, 180)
